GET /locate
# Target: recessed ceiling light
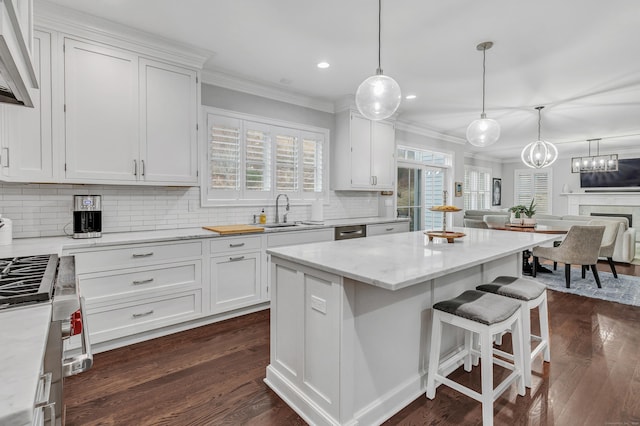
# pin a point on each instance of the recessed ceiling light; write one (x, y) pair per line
(323, 65)
(409, 97)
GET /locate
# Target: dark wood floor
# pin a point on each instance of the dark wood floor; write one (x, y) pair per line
(213, 375)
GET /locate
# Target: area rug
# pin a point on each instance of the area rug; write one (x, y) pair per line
(625, 289)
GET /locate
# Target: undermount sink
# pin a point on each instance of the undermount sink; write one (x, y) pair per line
(278, 225)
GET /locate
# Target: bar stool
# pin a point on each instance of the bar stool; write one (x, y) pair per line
(530, 294)
(485, 314)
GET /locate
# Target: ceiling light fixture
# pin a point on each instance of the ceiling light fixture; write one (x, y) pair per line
(483, 131)
(410, 97)
(323, 65)
(595, 163)
(378, 97)
(540, 153)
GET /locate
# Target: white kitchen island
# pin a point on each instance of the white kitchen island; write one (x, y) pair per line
(350, 320)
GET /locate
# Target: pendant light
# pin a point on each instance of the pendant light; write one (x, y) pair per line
(378, 97)
(483, 131)
(540, 153)
(595, 163)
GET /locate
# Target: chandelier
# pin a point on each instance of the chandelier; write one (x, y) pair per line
(595, 163)
(378, 97)
(483, 131)
(540, 153)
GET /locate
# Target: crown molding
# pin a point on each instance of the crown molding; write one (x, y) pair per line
(245, 85)
(425, 131)
(59, 18)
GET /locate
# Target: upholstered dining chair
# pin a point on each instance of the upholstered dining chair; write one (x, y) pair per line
(608, 240)
(581, 246)
(475, 223)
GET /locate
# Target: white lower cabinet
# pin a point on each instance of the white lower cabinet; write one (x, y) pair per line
(114, 321)
(387, 228)
(132, 289)
(235, 272)
(235, 279)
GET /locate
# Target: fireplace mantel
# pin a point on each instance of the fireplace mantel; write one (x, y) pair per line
(620, 202)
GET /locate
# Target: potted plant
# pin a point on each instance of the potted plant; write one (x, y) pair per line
(519, 212)
(516, 213)
(529, 212)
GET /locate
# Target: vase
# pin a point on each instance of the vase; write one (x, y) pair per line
(528, 221)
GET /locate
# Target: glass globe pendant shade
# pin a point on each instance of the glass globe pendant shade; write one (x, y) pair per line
(378, 97)
(539, 154)
(483, 132)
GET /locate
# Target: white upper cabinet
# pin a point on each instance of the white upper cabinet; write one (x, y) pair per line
(168, 100)
(26, 144)
(128, 118)
(363, 154)
(101, 112)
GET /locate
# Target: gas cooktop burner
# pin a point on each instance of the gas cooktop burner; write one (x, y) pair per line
(27, 279)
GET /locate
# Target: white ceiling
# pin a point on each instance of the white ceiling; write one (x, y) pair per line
(579, 58)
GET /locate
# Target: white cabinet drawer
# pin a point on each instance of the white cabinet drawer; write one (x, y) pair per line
(135, 255)
(133, 282)
(142, 315)
(293, 238)
(235, 244)
(235, 281)
(387, 228)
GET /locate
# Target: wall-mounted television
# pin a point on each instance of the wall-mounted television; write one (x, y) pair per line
(628, 175)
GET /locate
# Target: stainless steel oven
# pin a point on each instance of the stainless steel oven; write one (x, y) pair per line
(29, 280)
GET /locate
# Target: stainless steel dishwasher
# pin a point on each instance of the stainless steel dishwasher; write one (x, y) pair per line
(351, 231)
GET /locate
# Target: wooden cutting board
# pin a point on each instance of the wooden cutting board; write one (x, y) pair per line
(233, 229)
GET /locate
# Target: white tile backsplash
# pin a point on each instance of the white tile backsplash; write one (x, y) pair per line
(39, 210)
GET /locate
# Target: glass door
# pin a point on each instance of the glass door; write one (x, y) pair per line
(409, 202)
(420, 188)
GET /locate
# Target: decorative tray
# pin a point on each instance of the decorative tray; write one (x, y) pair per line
(449, 235)
(524, 225)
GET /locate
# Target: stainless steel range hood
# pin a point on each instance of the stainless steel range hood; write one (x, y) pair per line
(17, 74)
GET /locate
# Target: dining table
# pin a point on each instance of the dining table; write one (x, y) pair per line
(527, 268)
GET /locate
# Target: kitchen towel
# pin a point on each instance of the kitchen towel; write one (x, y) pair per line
(317, 212)
(6, 232)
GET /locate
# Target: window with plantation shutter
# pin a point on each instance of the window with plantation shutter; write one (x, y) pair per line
(533, 185)
(287, 161)
(477, 188)
(312, 165)
(224, 154)
(252, 159)
(257, 157)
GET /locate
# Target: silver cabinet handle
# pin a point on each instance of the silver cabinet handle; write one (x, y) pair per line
(138, 282)
(142, 161)
(143, 314)
(371, 180)
(236, 245)
(236, 258)
(389, 229)
(46, 390)
(135, 167)
(142, 254)
(5, 157)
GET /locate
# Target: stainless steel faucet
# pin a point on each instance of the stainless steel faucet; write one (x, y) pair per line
(277, 213)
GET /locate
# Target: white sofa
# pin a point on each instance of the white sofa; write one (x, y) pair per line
(625, 248)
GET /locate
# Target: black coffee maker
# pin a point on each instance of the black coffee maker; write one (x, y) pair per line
(87, 216)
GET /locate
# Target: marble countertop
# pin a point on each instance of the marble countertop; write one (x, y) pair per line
(399, 260)
(23, 335)
(55, 245)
